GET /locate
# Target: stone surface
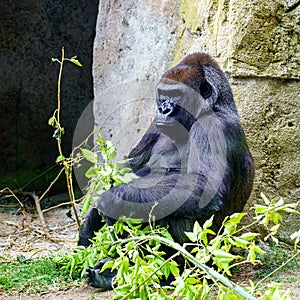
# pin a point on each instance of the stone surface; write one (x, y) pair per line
(265, 39)
(133, 47)
(255, 42)
(270, 112)
(32, 32)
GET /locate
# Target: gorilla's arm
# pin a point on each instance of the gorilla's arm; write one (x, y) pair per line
(92, 224)
(202, 187)
(141, 153)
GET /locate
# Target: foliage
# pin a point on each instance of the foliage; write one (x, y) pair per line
(30, 276)
(104, 172)
(141, 265)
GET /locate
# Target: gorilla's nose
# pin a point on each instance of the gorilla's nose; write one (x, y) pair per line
(167, 108)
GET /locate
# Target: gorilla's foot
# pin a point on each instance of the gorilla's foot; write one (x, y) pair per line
(97, 279)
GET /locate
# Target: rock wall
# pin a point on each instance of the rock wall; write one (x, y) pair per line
(32, 32)
(257, 44)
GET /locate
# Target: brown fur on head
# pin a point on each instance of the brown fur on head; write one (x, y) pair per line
(199, 59)
(189, 71)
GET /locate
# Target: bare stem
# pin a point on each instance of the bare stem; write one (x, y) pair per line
(68, 171)
(58, 96)
(67, 166)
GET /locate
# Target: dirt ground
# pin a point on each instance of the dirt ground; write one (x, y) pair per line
(82, 293)
(16, 239)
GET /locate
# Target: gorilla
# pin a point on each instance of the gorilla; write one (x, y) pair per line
(191, 163)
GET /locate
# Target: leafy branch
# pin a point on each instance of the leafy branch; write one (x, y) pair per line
(54, 121)
(139, 259)
(105, 172)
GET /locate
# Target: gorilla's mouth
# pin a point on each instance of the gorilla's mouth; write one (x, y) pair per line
(161, 123)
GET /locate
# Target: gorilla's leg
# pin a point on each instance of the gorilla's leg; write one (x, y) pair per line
(101, 280)
(92, 224)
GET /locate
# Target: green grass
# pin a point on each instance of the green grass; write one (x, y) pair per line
(31, 276)
(274, 258)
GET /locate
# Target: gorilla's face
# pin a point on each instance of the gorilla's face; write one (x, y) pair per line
(181, 103)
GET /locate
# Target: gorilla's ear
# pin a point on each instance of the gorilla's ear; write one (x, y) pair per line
(205, 89)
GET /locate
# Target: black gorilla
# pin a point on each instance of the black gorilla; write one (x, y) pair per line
(192, 162)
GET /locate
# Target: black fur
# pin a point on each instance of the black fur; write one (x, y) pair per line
(192, 162)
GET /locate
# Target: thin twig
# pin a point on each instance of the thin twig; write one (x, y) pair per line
(51, 184)
(7, 190)
(39, 210)
(37, 177)
(59, 205)
(151, 215)
(40, 232)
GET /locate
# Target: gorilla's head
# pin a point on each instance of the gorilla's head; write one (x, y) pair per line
(186, 92)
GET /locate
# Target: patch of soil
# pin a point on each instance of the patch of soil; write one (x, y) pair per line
(289, 279)
(17, 239)
(82, 292)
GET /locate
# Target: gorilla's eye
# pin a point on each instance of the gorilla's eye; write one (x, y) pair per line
(205, 89)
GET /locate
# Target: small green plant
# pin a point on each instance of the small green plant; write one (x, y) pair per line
(105, 172)
(66, 163)
(54, 121)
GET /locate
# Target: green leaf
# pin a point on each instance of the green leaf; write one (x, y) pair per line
(290, 210)
(249, 236)
(208, 223)
(275, 228)
(91, 172)
(276, 218)
(253, 249)
(222, 254)
(266, 200)
(295, 236)
(52, 122)
(280, 202)
(260, 209)
(124, 171)
(192, 236)
(197, 228)
(236, 218)
(89, 155)
(75, 61)
(242, 243)
(60, 158)
(275, 240)
(174, 268)
(86, 204)
(58, 133)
